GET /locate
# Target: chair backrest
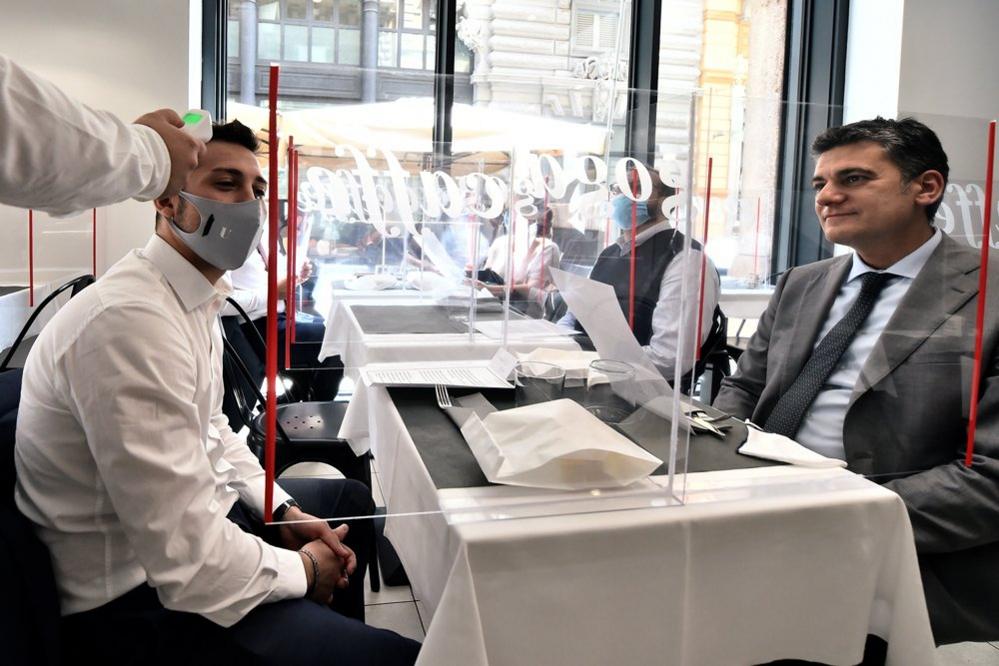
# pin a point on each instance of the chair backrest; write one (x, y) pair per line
(77, 285)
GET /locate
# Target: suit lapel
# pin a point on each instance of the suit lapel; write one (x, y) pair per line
(817, 299)
(945, 283)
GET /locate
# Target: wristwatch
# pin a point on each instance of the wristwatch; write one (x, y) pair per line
(282, 509)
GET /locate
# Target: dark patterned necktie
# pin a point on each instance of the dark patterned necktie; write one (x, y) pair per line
(785, 419)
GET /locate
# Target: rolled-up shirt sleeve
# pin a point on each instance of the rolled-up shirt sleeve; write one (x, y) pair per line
(133, 388)
(60, 156)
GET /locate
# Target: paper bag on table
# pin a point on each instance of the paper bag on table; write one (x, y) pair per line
(555, 445)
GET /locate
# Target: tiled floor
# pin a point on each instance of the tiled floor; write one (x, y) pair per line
(395, 608)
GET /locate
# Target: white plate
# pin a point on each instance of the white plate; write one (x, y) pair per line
(371, 282)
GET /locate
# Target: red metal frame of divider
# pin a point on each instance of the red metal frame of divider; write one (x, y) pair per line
(293, 233)
(272, 241)
(983, 278)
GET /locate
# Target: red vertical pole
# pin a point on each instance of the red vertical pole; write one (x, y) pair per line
(634, 252)
(983, 278)
(293, 232)
(704, 259)
(93, 244)
(31, 258)
(272, 336)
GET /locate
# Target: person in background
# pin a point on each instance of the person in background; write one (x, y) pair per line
(662, 301)
(149, 503)
(532, 279)
(60, 156)
(314, 380)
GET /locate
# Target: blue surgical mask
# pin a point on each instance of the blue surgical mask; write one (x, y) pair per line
(621, 211)
(228, 232)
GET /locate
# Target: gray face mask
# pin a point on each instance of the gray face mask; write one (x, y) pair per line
(228, 232)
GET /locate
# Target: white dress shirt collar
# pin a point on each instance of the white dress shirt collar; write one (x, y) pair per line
(625, 240)
(907, 267)
(192, 288)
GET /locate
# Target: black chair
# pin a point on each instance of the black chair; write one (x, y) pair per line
(29, 605)
(306, 431)
(714, 365)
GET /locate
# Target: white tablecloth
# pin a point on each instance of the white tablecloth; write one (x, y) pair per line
(745, 303)
(356, 349)
(759, 564)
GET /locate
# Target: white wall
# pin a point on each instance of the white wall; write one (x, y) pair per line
(934, 61)
(127, 56)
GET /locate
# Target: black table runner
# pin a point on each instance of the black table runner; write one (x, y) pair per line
(451, 464)
(424, 319)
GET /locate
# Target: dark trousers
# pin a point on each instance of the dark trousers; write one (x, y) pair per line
(136, 629)
(313, 380)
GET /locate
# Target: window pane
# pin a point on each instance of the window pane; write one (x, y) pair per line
(386, 49)
(323, 45)
(322, 10)
(462, 59)
(295, 9)
(413, 11)
(350, 12)
(234, 6)
(232, 39)
(296, 42)
(411, 51)
(387, 13)
(269, 41)
(269, 10)
(350, 47)
(429, 53)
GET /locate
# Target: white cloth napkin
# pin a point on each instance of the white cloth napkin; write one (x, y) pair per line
(771, 446)
(576, 363)
(557, 445)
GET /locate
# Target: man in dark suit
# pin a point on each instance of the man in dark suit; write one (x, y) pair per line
(868, 357)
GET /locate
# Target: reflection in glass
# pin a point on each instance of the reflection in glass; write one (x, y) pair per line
(269, 41)
(296, 43)
(323, 44)
(350, 47)
(462, 59)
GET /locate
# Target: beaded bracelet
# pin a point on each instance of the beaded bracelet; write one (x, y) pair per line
(315, 573)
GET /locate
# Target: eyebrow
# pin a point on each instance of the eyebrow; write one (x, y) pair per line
(848, 171)
(236, 173)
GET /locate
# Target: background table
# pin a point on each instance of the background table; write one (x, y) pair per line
(363, 331)
(761, 563)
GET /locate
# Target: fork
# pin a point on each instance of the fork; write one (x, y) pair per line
(443, 398)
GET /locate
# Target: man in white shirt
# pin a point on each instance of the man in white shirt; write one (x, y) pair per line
(664, 298)
(60, 156)
(148, 502)
(868, 357)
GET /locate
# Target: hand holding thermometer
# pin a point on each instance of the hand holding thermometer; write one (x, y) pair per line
(198, 123)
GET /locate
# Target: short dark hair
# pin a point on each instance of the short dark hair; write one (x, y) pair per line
(237, 133)
(911, 146)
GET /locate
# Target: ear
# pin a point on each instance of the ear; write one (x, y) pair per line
(167, 206)
(930, 187)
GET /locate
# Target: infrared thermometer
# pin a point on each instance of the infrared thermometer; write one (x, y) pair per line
(198, 123)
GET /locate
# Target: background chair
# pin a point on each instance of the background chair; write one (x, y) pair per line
(306, 431)
(29, 605)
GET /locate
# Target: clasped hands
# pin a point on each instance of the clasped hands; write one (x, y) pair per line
(335, 561)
